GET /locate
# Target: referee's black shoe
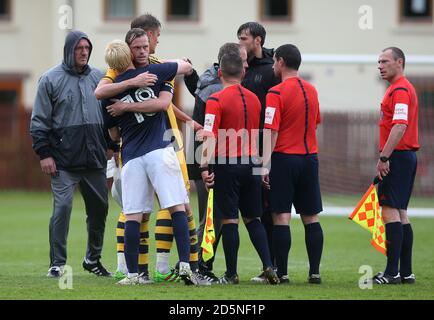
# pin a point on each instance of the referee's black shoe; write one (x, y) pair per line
(314, 279)
(229, 280)
(209, 275)
(411, 279)
(284, 279)
(382, 278)
(96, 268)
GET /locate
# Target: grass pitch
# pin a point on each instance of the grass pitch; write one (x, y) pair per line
(24, 219)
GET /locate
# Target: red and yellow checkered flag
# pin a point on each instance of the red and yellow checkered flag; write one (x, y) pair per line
(378, 240)
(209, 234)
(367, 214)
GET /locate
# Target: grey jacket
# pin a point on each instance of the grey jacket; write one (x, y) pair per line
(67, 122)
(208, 84)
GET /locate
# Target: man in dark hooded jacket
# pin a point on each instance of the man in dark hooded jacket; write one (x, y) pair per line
(68, 136)
(259, 79)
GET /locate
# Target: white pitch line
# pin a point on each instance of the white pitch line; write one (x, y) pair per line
(346, 211)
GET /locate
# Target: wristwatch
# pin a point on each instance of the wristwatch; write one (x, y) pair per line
(384, 159)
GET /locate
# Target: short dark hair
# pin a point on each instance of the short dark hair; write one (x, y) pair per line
(133, 34)
(231, 65)
(290, 55)
(255, 29)
(228, 47)
(146, 22)
(397, 54)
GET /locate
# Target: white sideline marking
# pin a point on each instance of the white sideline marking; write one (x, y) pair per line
(346, 211)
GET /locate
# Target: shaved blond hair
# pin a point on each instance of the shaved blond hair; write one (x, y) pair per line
(118, 56)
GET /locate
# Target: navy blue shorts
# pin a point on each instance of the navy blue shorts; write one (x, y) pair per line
(236, 188)
(294, 179)
(395, 189)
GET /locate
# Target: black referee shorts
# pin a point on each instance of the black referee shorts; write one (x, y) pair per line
(236, 188)
(294, 179)
(396, 188)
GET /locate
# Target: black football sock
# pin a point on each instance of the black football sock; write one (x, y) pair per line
(394, 237)
(281, 247)
(258, 237)
(231, 244)
(406, 251)
(267, 222)
(314, 239)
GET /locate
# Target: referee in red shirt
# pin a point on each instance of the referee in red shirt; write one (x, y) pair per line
(293, 114)
(232, 116)
(397, 165)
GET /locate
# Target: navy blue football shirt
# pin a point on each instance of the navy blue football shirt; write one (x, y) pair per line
(142, 132)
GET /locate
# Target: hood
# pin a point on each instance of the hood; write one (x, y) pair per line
(209, 77)
(267, 58)
(71, 41)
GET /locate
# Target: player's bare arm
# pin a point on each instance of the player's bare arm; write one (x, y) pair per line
(396, 134)
(183, 59)
(182, 116)
(115, 134)
(107, 89)
(184, 67)
(270, 140)
(208, 151)
(152, 105)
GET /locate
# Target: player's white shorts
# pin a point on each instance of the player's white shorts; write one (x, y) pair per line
(157, 171)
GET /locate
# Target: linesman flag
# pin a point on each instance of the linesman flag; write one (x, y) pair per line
(367, 214)
(209, 234)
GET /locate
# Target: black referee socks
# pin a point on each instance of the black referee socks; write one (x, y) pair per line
(314, 244)
(231, 244)
(258, 237)
(394, 237)
(406, 251)
(281, 247)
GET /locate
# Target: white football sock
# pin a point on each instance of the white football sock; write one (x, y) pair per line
(122, 264)
(183, 265)
(163, 262)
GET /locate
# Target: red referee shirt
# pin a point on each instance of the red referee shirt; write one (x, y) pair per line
(293, 111)
(400, 106)
(228, 113)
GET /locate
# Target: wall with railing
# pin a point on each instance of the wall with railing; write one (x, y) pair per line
(348, 152)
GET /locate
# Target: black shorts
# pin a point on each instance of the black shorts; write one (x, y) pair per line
(395, 189)
(236, 188)
(294, 179)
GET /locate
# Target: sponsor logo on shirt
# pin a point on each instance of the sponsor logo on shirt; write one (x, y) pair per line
(209, 122)
(401, 112)
(269, 115)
